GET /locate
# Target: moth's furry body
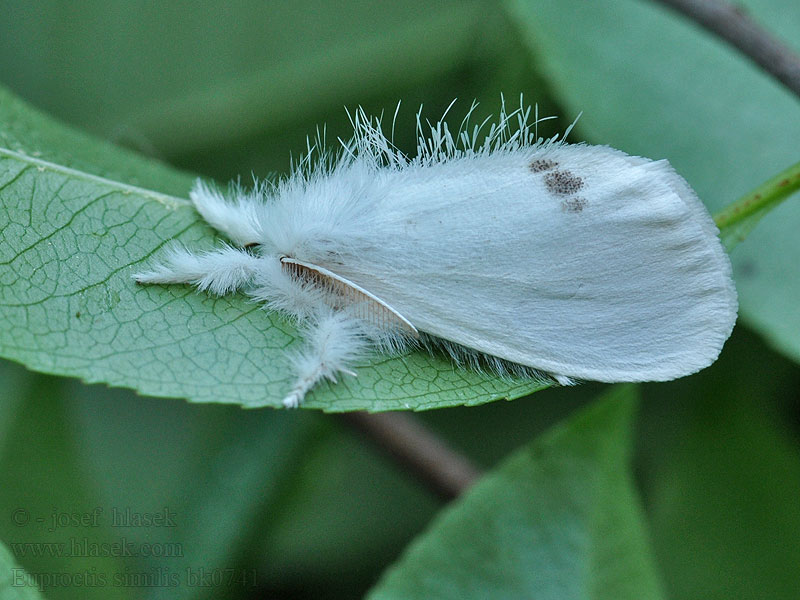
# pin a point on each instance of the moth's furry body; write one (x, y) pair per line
(517, 254)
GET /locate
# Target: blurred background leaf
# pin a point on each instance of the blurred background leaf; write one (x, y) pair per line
(229, 91)
(15, 583)
(720, 472)
(558, 519)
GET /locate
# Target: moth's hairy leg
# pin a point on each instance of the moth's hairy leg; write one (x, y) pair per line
(219, 271)
(334, 341)
(237, 219)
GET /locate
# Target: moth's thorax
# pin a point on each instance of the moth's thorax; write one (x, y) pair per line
(318, 219)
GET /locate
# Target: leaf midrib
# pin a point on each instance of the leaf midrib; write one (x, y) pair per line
(168, 201)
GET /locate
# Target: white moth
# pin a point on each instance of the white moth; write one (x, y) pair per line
(526, 256)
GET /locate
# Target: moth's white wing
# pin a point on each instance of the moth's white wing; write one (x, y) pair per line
(576, 260)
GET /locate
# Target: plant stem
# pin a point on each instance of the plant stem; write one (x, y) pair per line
(419, 450)
(738, 218)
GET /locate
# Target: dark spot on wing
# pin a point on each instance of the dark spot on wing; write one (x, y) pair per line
(563, 183)
(540, 164)
(574, 205)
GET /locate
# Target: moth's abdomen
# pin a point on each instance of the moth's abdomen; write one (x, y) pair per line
(342, 294)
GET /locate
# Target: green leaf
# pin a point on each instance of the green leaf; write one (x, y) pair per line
(41, 473)
(69, 242)
(216, 475)
(720, 473)
(32, 134)
(424, 40)
(652, 83)
(86, 450)
(559, 519)
(15, 583)
(726, 504)
(176, 79)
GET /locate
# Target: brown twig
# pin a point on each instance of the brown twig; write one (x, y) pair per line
(731, 24)
(446, 472)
